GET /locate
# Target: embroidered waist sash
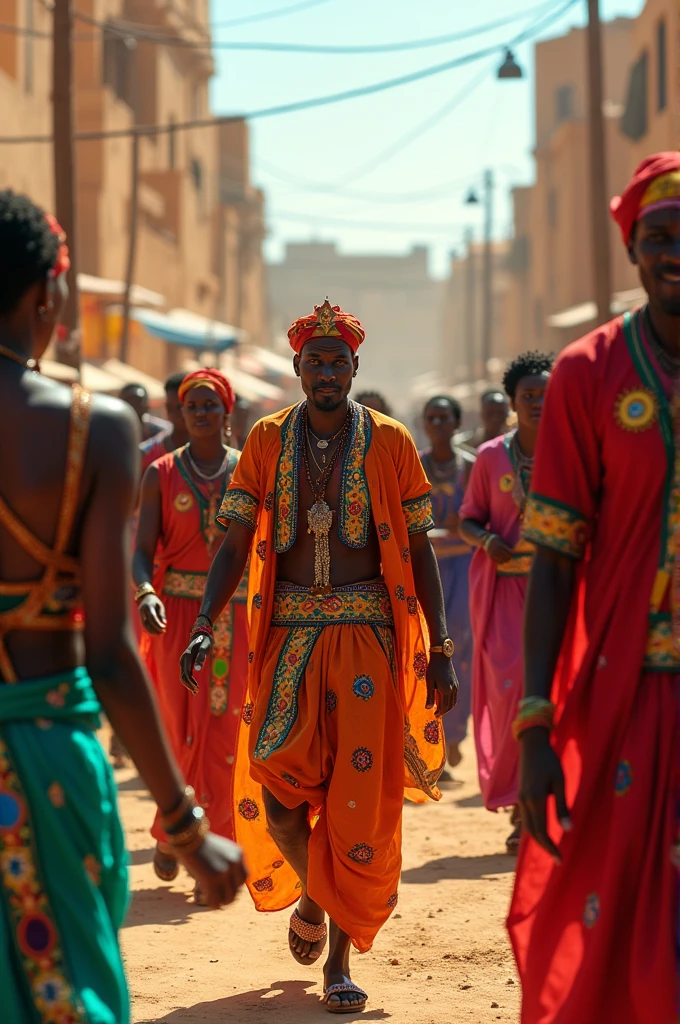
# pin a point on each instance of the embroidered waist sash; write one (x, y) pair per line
(191, 585)
(358, 604)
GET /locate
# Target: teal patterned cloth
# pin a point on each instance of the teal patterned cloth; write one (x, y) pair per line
(63, 865)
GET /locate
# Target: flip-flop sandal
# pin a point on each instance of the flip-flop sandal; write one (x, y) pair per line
(308, 932)
(165, 866)
(337, 990)
(512, 843)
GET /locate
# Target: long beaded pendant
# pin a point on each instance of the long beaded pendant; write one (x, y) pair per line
(319, 522)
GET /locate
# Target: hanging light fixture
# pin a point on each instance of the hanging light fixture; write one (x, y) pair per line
(510, 68)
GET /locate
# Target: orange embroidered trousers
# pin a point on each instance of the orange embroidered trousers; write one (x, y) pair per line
(326, 728)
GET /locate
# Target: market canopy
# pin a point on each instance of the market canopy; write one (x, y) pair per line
(191, 330)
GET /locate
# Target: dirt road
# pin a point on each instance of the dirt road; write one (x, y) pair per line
(442, 958)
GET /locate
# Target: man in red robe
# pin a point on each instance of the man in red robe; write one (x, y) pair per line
(594, 918)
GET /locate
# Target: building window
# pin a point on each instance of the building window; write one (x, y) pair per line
(117, 69)
(564, 103)
(662, 96)
(634, 120)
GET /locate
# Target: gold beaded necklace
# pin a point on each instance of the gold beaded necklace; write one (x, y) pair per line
(320, 515)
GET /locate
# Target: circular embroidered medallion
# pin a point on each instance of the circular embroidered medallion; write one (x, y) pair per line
(635, 410)
(248, 712)
(431, 731)
(362, 759)
(248, 809)
(362, 853)
(506, 483)
(183, 502)
(624, 778)
(263, 885)
(420, 664)
(12, 812)
(36, 935)
(331, 701)
(363, 687)
(393, 900)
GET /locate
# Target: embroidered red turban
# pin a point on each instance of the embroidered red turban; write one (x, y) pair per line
(213, 379)
(326, 322)
(655, 185)
(63, 261)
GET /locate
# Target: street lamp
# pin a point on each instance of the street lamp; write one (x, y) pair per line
(510, 68)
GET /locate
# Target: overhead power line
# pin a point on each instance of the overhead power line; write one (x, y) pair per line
(299, 105)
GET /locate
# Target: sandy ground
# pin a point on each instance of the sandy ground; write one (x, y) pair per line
(443, 957)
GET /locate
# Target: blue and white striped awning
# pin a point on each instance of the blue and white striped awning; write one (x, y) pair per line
(191, 330)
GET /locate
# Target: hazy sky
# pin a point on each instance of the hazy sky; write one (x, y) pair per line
(343, 172)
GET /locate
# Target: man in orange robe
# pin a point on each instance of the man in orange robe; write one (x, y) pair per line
(344, 693)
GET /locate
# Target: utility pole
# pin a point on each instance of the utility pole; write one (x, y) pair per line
(470, 318)
(487, 301)
(598, 168)
(64, 155)
(132, 251)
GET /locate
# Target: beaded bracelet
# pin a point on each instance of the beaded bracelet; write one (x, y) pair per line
(532, 712)
(199, 629)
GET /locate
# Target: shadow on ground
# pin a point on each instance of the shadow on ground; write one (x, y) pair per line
(287, 1001)
(137, 857)
(133, 785)
(162, 906)
(470, 801)
(459, 867)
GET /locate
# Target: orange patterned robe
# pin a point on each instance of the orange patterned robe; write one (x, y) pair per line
(335, 710)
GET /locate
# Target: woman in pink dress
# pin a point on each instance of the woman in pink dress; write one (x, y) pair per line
(491, 517)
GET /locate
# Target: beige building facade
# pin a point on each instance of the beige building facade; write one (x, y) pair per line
(200, 220)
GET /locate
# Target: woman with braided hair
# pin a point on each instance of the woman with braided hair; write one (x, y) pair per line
(68, 481)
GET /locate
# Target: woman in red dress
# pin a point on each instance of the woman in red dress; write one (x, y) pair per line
(176, 539)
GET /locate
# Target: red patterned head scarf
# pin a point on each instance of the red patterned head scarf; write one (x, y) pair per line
(213, 379)
(655, 185)
(63, 261)
(326, 322)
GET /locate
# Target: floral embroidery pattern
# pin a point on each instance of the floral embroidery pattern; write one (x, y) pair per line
(363, 687)
(257, 601)
(354, 514)
(412, 605)
(247, 713)
(418, 514)
(251, 657)
(261, 550)
(56, 795)
(400, 592)
(431, 731)
(362, 759)
(263, 885)
(287, 475)
(591, 913)
(278, 864)
(32, 926)
(420, 664)
(393, 900)
(422, 777)
(283, 701)
(331, 701)
(248, 809)
(624, 778)
(269, 501)
(361, 853)
(636, 410)
(384, 531)
(357, 604)
(555, 526)
(661, 654)
(177, 583)
(406, 554)
(290, 779)
(221, 661)
(239, 506)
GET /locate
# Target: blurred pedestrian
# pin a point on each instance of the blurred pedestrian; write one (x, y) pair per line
(374, 400)
(491, 517)
(448, 468)
(594, 920)
(137, 397)
(68, 488)
(177, 537)
(175, 435)
(494, 410)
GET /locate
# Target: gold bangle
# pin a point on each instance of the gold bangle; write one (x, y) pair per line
(195, 843)
(186, 804)
(144, 591)
(198, 828)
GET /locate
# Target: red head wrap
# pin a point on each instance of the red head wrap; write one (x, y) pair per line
(213, 379)
(326, 322)
(640, 196)
(63, 262)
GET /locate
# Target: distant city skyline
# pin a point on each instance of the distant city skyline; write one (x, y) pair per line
(346, 172)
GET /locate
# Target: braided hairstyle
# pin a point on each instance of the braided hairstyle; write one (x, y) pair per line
(28, 248)
(528, 364)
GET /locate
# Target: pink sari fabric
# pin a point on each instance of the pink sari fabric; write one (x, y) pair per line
(496, 610)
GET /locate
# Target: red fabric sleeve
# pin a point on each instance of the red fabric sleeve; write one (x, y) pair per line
(567, 470)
